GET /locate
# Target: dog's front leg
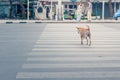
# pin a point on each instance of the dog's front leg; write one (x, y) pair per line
(81, 40)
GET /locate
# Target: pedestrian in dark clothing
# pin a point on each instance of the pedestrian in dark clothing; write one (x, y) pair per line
(47, 12)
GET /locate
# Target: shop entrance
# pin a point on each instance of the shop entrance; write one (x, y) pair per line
(70, 11)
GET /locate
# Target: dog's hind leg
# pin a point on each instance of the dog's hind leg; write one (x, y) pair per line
(87, 40)
(90, 42)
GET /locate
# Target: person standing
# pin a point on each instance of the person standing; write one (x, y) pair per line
(47, 12)
(89, 10)
(79, 11)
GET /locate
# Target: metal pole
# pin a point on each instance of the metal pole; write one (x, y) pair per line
(51, 5)
(28, 10)
(96, 8)
(103, 7)
(97, 3)
(59, 9)
(114, 6)
(51, 10)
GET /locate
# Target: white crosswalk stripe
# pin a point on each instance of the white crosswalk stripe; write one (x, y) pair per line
(76, 49)
(73, 58)
(69, 75)
(81, 65)
(59, 51)
(77, 46)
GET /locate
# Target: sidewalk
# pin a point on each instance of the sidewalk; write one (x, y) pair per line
(54, 21)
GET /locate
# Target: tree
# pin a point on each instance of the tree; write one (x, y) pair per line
(110, 7)
(23, 8)
(21, 2)
(10, 9)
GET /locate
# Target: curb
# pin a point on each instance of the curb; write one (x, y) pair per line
(53, 21)
(19, 21)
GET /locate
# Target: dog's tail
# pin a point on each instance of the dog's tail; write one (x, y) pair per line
(88, 27)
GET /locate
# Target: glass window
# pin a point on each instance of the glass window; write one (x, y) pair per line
(65, 6)
(70, 6)
(40, 10)
(75, 6)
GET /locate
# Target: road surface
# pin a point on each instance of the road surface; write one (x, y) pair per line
(53, 52)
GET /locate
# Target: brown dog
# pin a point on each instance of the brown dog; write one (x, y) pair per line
(85, 34)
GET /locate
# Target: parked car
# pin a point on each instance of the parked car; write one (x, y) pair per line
(116, 15)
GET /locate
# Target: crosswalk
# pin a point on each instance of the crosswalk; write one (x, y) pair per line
(58, 55)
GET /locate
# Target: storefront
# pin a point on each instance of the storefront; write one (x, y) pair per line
(16, 9)
(4, 10)
(57, 9)
(100, 9)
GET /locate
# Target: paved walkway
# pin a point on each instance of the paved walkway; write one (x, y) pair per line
(58, 55)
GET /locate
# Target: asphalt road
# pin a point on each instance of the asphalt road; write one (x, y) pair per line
(16, 41)
(53, 52)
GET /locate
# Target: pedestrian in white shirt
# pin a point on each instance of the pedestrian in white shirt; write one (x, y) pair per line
(89, 10)
(79, 11)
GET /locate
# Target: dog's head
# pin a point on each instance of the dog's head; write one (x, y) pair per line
(78, 29)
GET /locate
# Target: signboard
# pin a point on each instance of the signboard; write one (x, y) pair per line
(73, 0)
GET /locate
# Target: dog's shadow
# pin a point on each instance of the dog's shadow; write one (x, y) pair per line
(83, 46)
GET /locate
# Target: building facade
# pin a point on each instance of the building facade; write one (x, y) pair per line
(56, 9)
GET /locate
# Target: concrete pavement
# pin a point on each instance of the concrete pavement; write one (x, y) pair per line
(58, 54)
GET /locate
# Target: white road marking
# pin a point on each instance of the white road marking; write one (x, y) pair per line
(41, 75)
(73, 58)
(75, 65)
(75, 46)
(76, 49)
(67, 54)
(59, 44)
